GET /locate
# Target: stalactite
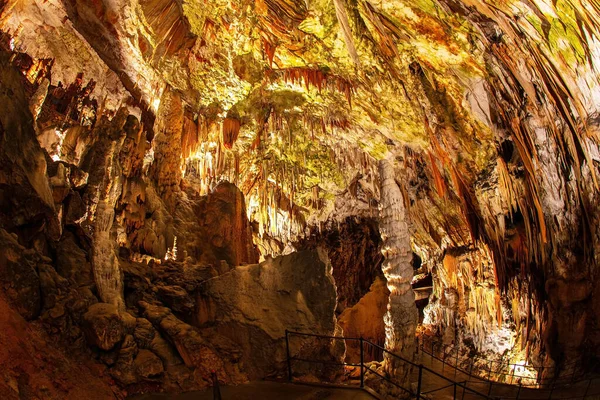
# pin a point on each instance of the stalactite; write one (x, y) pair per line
(231, 130)
(402, 317)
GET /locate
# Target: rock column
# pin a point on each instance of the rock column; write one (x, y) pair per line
(402, 315)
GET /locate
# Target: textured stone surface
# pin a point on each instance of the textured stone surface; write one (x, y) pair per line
(18, 276)
(253, 305)
(35, 367)
(353, 246)
(402, 316)
(103, 326)
(365, 319)
(215, 227)
(147, 364)
(195, 351)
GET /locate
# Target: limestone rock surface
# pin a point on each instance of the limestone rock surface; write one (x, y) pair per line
(254, 305)
(365, 319)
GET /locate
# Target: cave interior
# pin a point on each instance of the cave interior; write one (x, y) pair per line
(185, 182)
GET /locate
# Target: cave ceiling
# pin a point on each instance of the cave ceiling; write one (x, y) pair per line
(298, 97)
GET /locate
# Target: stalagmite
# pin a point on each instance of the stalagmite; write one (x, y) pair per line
(401, 318)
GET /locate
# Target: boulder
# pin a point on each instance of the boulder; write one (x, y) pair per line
(144, 333)
(103, 326)
(124, 370)
(147, 364)
(254, 305)
(176, 298)
(191, 346)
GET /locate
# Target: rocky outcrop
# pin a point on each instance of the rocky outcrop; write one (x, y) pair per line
(215, 227)
(103, 326)
(147, 364)
(195, 351)
(354, 248)
(365, 320)
(18, 276)
(253, 305)
(33, 366)
(26, 201)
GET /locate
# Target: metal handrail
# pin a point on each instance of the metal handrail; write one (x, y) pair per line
(364, 367)
(421, 369)
(553, 381)
(552, 388)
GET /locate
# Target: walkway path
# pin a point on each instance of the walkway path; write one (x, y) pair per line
(267, 391)
(431, 382)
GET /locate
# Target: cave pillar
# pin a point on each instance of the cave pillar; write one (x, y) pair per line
(402, 315)
(107, 271)
(166, 167)
(104, 188)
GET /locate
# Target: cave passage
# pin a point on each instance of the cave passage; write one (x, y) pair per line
(400, 196)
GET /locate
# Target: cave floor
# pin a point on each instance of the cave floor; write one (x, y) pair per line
(268, 391)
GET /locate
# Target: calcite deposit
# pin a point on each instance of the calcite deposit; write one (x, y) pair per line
(182, 181)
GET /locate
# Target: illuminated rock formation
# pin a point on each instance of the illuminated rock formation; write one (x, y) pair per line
(152, 151)
(254, 305)
(402, 317)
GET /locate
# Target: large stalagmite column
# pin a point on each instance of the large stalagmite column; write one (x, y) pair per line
(402, 316)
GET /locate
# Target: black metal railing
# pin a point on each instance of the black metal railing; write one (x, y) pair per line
(429, 381)
(559, 386)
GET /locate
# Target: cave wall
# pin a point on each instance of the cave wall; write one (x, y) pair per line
(353, 246)
(496, 145)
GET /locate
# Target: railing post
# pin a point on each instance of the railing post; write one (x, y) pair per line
(490, 371)
(490, 389)
(216, 388)
(432, 352)
(289, 361)
(519, 392)
(512, 374)
(454, 391)
(419, 382)
(587, 388)
(470, 370)
(456, 363)
(573, 375)
(362, 363)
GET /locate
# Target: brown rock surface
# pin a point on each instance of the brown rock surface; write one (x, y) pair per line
(18, 276)
(33, 367)
(195, 351)
(147, 364)
(253, 305)
(365, 319)
(215, 227)
(103, 326)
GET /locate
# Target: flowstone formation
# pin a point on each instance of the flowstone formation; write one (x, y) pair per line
(157, 154)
